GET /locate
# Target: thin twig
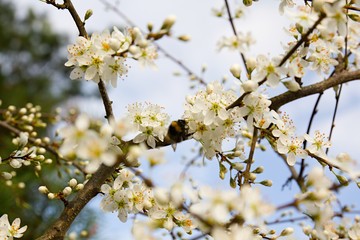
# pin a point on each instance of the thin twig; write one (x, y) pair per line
(250, 158)
(92, 187)
(291, 220)
(235, 33)
(313, 113)
(337, 98)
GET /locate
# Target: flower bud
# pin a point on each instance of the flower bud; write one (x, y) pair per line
(184, 38)
(73, 182)
(48, 161)
(258, 170)
(306, 230)
(161, 196)
(51, 195)
(251, 63)
(235, 70)
(287, 231)
(293, 86)
(67, 191)
(247, 2)
(43, 189)
(318, 5)
(22, 111)
(12, 108)
(266, 183)
(168, 22)
(80, 186)
(249, 86)
(252, 177)
(150, 26)
(84, 233)
(88, 14)
(114, 44)
(134, 49)
(232, 183)
(6, 175)
(343, 180)
(238, 166)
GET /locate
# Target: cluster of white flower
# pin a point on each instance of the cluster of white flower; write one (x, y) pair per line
(291, 145)
(128, 195)
(210, 122)
(241, 42)
(213, 211)
(23, 155)
(316, 203)
(102, 57)
(269, 70)
(9, 231)
(94, 145)
(89, 145)
(327, 41)
(150, 121)
(219, 207)
(207, 118)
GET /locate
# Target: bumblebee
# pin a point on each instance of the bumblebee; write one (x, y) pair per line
(178, 131)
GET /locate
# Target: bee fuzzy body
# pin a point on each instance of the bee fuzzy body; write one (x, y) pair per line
(177, 132)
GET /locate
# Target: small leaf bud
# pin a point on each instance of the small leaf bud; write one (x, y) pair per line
(266, 183)
(84, 233)
(343, 180)
(168, 22)
(88, 14)
(150, 26)
(258, 170)
(232, 183)
(247, 2)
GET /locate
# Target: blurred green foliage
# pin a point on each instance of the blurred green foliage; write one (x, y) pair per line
(32, 70)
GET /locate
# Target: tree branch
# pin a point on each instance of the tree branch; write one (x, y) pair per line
(92, 187)
(90, 190)
(235, 33)
(343, 77)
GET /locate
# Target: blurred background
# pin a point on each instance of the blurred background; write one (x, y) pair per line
(33, 40)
